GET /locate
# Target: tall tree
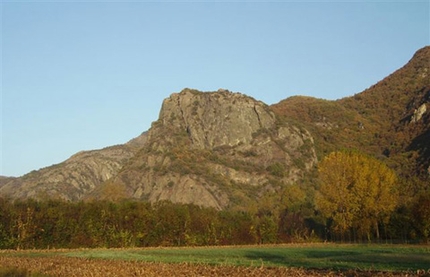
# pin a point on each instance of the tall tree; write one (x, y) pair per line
(357, 191)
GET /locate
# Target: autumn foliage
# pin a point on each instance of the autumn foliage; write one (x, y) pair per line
(357, 192)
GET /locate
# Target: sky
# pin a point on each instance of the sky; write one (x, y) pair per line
(82, 75)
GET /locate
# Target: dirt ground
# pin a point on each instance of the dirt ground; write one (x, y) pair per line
(64, 266)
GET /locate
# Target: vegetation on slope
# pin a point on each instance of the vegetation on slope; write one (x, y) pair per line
(383, 122)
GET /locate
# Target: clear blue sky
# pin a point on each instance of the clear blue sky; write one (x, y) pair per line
(80, 75)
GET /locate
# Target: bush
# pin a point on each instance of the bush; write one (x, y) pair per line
(276, 169)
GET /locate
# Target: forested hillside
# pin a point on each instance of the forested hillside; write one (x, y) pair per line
(388, 120)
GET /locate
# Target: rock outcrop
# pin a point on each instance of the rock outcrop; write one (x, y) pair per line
(418, 113)
(216, 119)
(216, 147)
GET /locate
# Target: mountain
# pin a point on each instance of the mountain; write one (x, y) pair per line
(227, 150)
(389, 120)
(399, 107)
(73, 178)
(216, 149)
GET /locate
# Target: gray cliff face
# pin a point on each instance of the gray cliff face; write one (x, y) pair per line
(216, 119)
(215, 149)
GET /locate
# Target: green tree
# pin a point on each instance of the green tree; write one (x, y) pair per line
(6, 224)
(26, 228)
(267, 229)
(357, 191)
(292, 225)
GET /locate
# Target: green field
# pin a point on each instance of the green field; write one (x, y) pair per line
(372, 257)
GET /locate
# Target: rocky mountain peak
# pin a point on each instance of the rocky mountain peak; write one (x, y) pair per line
(215, 148)
(214, 119)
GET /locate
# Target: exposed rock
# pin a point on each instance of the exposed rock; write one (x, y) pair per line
(216, 119)
(418, 113)
(75, 177)
(207, 147)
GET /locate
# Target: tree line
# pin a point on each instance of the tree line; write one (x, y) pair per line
(59, 224)
(358, 198)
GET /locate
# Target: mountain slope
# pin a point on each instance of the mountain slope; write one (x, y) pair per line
(224, 150)
(75, 177)
(217, 149)
(389, 120)
(399, 106)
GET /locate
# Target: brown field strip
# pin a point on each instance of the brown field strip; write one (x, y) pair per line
(66, 266)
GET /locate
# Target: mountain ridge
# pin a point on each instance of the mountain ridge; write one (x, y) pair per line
(379, 119)
(224, 150)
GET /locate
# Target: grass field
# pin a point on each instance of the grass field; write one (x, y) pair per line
(323, 257)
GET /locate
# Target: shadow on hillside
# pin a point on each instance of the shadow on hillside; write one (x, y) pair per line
(420, 144)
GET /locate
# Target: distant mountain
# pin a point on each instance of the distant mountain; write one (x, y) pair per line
(74, 178)
(227, 150)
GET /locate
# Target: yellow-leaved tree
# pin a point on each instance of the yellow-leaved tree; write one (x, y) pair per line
(357, 192)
